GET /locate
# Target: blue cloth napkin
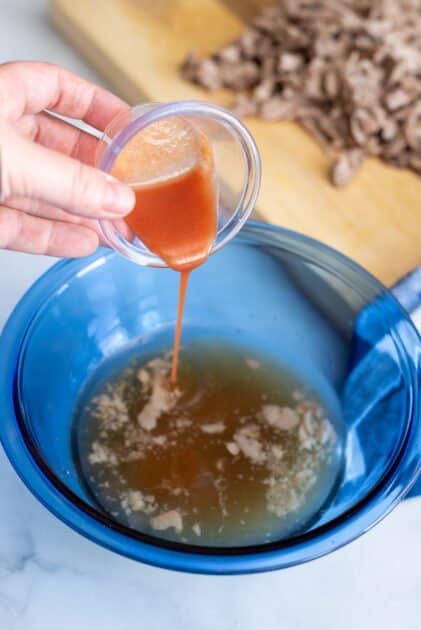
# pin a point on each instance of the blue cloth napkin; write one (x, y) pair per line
(374, 394)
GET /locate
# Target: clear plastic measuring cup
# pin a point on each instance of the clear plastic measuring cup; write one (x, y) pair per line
(236, 157)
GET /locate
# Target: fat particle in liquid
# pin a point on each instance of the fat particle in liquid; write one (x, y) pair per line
(240, 452)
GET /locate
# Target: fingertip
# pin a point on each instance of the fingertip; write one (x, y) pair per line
(87, 243)
(72, 241)
(119, 199)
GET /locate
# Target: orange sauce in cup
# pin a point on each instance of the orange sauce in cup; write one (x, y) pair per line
(175, 214)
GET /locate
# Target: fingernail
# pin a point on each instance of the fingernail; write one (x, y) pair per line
(119, 199)
(110, 178)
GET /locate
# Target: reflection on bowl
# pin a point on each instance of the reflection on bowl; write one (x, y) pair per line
(276, 290)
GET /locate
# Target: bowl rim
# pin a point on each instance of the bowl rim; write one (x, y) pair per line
(68, 507)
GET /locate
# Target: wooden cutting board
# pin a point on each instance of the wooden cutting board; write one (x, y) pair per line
(137, 46)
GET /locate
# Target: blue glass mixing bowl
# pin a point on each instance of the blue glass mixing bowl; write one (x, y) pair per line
(269, 288)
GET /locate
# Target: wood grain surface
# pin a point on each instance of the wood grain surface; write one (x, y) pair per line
(137, 46)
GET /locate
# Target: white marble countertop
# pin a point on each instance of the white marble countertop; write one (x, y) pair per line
(51, 577)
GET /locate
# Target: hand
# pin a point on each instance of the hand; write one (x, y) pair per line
(50, 194)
